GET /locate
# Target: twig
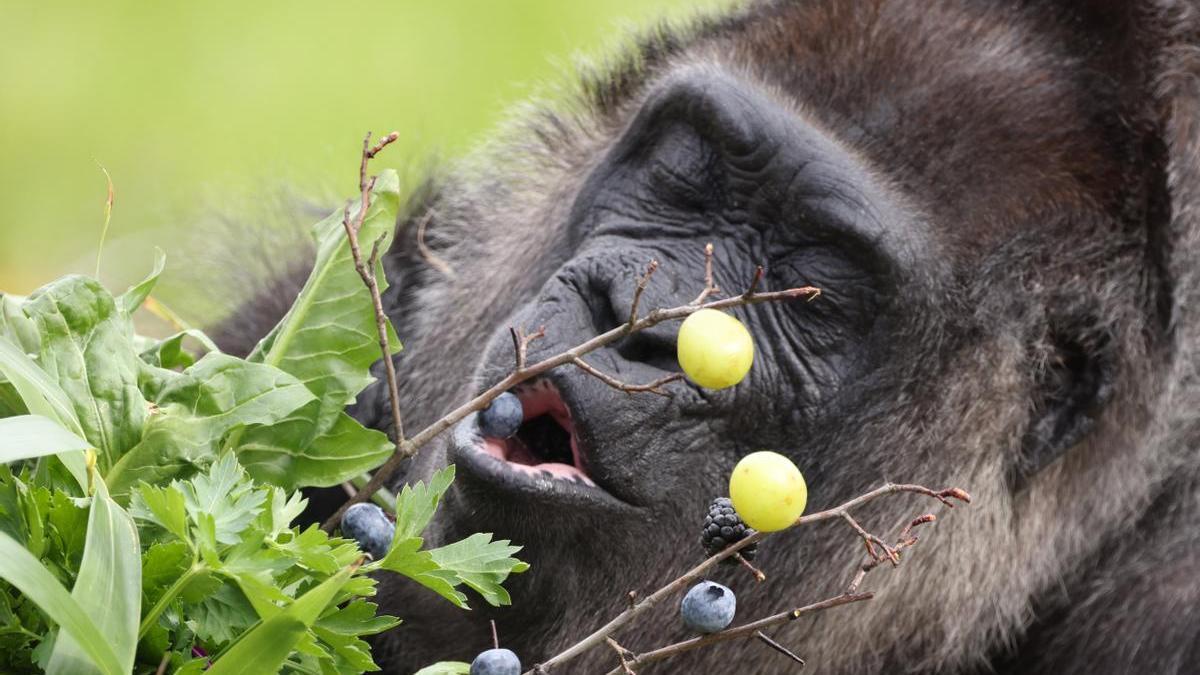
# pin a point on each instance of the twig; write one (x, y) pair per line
(758, 574)
(495, 635)
(778, 647)
(427, 253)
(654, 387)
(641, 288)
(623, 654)
(409, 446)
(521, 343)
(744, 631)
(162, 665)
(672, 588)
(366, 270)
(753, 287)
(709, 287)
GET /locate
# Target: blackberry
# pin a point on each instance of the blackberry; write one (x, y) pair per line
(722, 527)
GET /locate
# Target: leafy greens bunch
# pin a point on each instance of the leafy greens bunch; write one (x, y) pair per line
(147, 496)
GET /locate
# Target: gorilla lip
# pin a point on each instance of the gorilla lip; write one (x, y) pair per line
(543, 459)
(546, 441)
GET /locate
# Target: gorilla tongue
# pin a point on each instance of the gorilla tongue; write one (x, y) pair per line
(545, 442)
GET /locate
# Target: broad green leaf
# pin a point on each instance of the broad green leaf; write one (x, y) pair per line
(417, 503)
(42, 396)
(264, 648)
(197, 408)
(446, 668)
(482, 564)
(328, 338)
(133, 298)
(30, 436)
(170, 353)
(406, 558)
(27, 574)
(18, 328)
(87, 348)
(284, 454)
(108, 588)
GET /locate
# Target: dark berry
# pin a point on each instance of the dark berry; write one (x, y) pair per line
(496, 662)
(503, 417)
(723, 527)
(709, 607)
(370, 527)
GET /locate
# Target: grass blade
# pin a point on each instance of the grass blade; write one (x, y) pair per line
(19, 568)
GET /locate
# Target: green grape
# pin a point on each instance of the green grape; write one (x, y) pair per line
(767, 491)
(714, 349)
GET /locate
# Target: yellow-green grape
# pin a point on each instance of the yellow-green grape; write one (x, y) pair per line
(767, 491)
(715, 349)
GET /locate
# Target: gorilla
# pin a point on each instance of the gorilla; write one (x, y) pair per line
(1000, 200)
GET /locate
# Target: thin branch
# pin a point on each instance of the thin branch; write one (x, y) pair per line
(709, 287)
(641, 288)
(758, 574)
(778, 647)
(743, 631)
(409, 446)
(521, 343)
(495, 636)
(655, 387)
(753, 287)
(623, 654)
(689, 577)
(366, 271)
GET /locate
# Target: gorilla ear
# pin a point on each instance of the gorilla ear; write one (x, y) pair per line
(1073, 386)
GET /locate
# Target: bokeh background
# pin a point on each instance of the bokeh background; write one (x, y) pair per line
(219, 107)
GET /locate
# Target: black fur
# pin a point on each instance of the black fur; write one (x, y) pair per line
(1000, 200)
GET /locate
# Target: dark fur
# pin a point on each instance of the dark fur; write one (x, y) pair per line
(1042, 354)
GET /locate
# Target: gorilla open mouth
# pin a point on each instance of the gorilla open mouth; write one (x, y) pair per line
(544, 459)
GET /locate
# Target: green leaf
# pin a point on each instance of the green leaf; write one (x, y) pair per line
(87, 348)
(284, 454)
(446, 668)
(162, 506)
(417, 503)
(42, 396)
(30, 436)
(133, 298)
(328, 338)
(482, 564)
(18, 327)
(225, 494)
(197, 408)
(264, 648)
(406, 558)
(108, 588)
(329, 341)
(19, 568)
(40, 393)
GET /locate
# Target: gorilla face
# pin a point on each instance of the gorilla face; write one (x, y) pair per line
(706, 159)
(980, 192)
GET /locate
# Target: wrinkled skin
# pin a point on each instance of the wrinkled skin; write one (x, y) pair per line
(998, 201)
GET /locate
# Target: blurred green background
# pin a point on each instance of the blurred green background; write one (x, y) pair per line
(212, 106)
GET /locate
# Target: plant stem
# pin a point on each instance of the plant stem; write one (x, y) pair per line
(176, 588)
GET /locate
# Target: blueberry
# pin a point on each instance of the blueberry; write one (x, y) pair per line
(503, 417)
(708, 607)
(496, 662)
(369, 526)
